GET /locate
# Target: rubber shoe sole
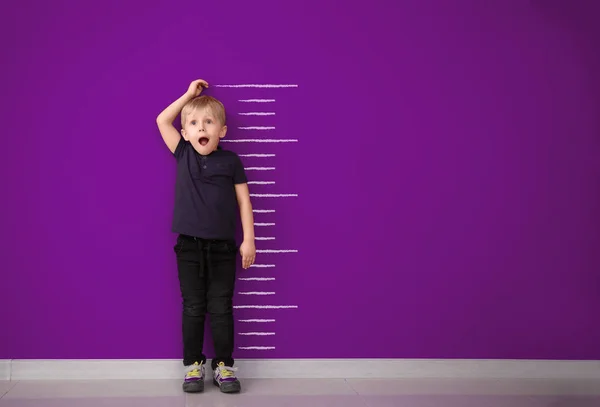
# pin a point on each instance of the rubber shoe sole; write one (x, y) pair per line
(229, 387)
(197, 386)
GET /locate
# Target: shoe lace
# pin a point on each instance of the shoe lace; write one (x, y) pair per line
(226, 371)
(194, 370)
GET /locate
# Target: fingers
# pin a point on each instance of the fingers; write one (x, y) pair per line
(247, 261)
(197, 86)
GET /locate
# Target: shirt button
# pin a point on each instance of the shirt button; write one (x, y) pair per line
(204, 167)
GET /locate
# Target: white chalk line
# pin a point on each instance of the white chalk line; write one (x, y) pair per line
(257, 85)
(263, 210)
(256, 320)
(277, 251)
(265, 306)
(257, 128)
(257, 155)
(256, 293)
(260, 141)
(264, 238)
(262, 266)
(257, 114)
(259, 168)
(261, 182)
(256, 347)
(273, 195)
(264, 224)
(256, 100)
(256, 278)
(257, 333)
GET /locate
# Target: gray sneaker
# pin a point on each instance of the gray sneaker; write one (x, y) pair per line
(224, 378)
(194, 378)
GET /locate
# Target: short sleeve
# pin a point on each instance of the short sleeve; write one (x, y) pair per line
(239, 175)
(178, 153)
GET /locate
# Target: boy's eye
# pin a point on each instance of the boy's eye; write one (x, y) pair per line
(193, 122)
(209, 121)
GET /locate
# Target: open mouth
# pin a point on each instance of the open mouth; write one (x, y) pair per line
(203, 141)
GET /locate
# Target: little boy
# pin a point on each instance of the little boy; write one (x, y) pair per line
(210, 182)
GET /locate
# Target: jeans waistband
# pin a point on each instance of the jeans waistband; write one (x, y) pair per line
(199, 239)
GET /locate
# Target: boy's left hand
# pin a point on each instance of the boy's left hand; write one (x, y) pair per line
(248, 252)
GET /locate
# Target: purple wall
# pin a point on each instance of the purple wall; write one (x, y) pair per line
(447, 171)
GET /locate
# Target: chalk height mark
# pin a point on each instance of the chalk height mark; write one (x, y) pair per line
(256, 85)
(256, 100)
(256, 112)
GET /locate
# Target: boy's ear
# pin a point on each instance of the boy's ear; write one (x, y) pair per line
(184, 134)
(223, 132)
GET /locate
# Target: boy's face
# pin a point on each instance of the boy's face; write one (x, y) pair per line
(203, 130)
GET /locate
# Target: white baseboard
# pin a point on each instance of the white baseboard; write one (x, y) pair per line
(4, 369)
(306, 368)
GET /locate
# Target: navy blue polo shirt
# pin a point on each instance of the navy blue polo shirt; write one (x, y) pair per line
(205, 199)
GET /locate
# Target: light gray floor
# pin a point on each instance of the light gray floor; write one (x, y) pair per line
(306, 393)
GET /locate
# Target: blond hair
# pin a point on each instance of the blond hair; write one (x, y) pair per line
(201, 102)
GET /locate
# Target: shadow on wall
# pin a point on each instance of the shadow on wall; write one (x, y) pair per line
(580, 20)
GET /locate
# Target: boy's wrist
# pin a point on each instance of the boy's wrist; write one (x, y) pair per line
(188, 95)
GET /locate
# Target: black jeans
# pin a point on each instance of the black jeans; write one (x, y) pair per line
(206, 271)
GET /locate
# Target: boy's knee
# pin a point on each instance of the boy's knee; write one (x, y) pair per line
(220, 305)
(194, 308)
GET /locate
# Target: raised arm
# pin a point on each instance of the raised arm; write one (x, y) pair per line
(165, 119)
